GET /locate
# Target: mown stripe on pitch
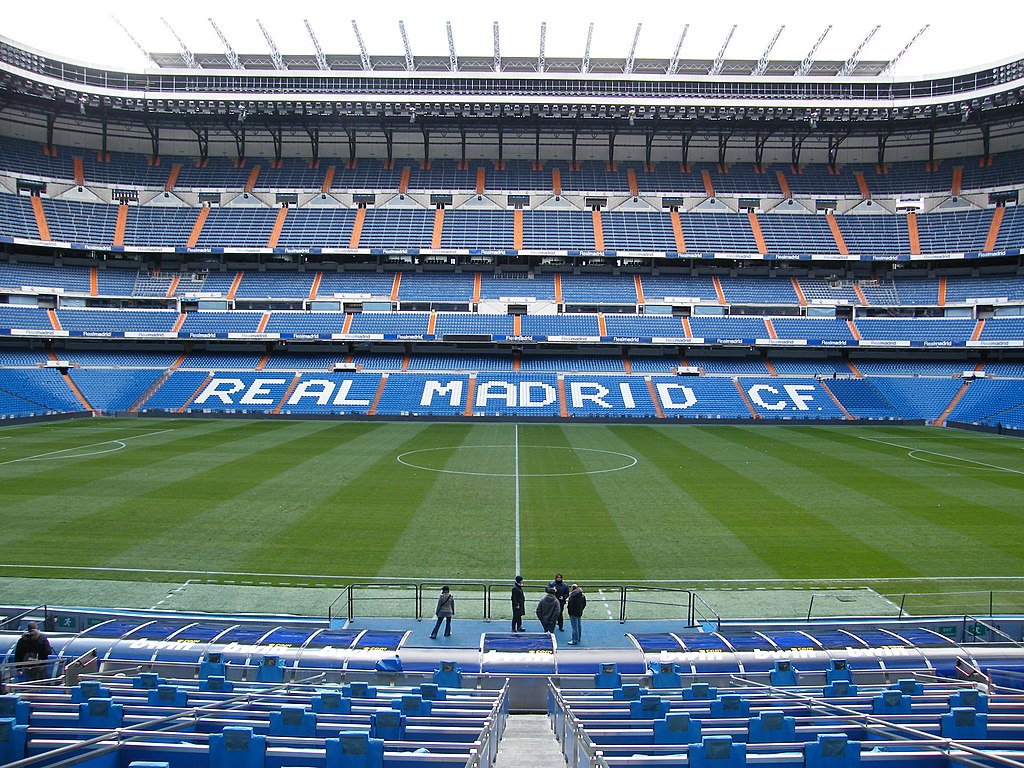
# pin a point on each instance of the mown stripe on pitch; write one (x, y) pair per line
(944, 516)
(133, 514)
(566, 523)
(676, 534)
(356, 525)
(794, 541)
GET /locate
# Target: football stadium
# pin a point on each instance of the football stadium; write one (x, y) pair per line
(300, 350)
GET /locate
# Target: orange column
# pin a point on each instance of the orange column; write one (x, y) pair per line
(639, 289)
(853, 330)
(357, 228)
(328, 180)
(977, 330)
(598, 230)
(254, 174)
(558, 288)
(396, 285)
(197, 228)
(477, 280)
(275, 233)
(41, 225)
(942, 291)
(316, 285)
(470, 395)
(958, 180)
(481, 176)
(862, 184)
(860, 294)
(743, 394)
(172, 177)
(173, 287)
(799, 292)
(94, 282)
(677, 231)
(783, 184)
(755, 225)
(654, 398)
(836, 234)
(709, 187)
(517, 237)
(234, 286)
(771, 335)
(556, 181)
(634, 187)
(122, 222)
(602, 329)
(915, 239)
(718, 289)
(993, 228)
(79, 171)
(435, 240)
(403, 184)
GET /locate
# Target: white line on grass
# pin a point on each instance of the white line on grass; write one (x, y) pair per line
(172, 593)
(517, 499)
(911, 451)
(56, 454)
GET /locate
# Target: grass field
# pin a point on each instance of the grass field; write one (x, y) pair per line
(920, 510)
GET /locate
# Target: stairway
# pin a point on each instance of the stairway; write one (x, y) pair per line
(528, 743)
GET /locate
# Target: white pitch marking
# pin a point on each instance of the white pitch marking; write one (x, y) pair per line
(56, 454)
(912, 451)
(172, 593)
(608, 610)
(518, 569)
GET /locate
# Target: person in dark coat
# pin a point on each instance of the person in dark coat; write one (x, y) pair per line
(549, 610)
(33, 647)
(574, 607)
(562, 593)
(444, 612)
(518, 605)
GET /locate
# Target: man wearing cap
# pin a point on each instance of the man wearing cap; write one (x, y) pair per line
(518, 605)
(33, 649)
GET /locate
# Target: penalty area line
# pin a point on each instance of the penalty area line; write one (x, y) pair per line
(912, 451)
(56, 454)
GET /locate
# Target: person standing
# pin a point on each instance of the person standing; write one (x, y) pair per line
(444, 612)
(549, 610)
(518, 605)
(574, 606)
(562, 594)
(33, 646)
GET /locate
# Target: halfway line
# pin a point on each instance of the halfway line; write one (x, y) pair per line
(518, 570)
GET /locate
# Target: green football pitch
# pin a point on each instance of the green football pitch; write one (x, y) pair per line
(920, 511)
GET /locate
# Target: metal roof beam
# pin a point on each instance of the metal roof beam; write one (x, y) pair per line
(851, 63)
(453, 59)
(364, 57)
(233, 59)
(893, 61)
(275, 53)
(497, 49)
(673, 64)
(410, 65)
(131, 37)
(631, 59)
(762, 64)
(186, 54)
(716, 67)
(808, 62)
(321, 60)
(543, 36)
(586, 51)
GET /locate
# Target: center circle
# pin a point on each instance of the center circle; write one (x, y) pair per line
(608, 461)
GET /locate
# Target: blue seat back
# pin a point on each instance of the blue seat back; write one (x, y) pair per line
(665, 675)
(216, 683)
(358, 690)
(100, 713)
(964, 723)
(13, 738)
(331, 703)
(839, 689)
(448, 675)
(608, 676)
(730, 705)
(432, 692)
(88, 689)
(968, 697)
(628, 693)
(168, 696)
(387, 724)
(771, 727)
(293, 720)
(354, 749)
(677, 728)
(147, 681)
(783, 673)
(270, 670)
(891, 702)
(412, 704)
(832, 750)
(237, 747)
(649, 708)
(11, 706)
(700, 692)
(718, 752)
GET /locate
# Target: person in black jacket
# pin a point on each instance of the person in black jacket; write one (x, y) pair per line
(549, 610)
(562, 593)
(518, 605)
(574, 607)
(444, 612)
(33, 647)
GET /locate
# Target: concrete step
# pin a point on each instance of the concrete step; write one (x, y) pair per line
(529, 743)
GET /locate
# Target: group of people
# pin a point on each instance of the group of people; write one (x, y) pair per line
(559, 600)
